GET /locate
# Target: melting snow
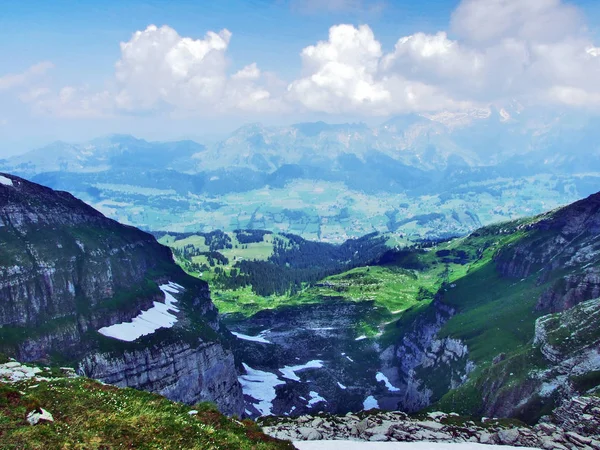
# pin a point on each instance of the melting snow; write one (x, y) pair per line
(5, 181)
(289, 372)
(341, 385)
(390, 386)
(315, 398)
(147, 322)
(245, 337)
(370, 403)
(360, 338)
(261, 387)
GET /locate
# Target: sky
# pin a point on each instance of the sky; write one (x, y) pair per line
(74, 70)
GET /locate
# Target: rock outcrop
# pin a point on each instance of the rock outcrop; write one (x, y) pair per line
(427, 366)
(571, 290)
(441, 427)
(66, 271)
(563, 362)
(561, 240)
(177, 371)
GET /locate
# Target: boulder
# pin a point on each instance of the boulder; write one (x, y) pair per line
(39, 415)
(309, 434)
(508, 437)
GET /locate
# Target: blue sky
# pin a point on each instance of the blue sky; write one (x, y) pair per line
(58, 78)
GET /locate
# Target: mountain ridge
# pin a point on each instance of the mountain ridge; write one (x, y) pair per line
(68, 272)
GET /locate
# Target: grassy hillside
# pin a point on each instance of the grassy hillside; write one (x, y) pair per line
(252, 270)
(91, 415)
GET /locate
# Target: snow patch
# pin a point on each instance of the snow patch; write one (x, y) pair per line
(315, 398)
(5, 181)
(289, 372)
(147, 322)
(390, 386)
(370, 403)
(257, 338)
(360, 338)
(341, 386)
(261, 387)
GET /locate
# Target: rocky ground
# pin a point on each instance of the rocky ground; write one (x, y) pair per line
(575, 425)
(13, 372)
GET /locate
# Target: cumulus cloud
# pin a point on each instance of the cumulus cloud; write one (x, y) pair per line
(536, 51)
(161, 71)
(16, 80)
(494, 51)
(341, 72)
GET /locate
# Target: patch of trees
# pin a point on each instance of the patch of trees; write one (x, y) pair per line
(189, 251)
(453, 256)
(250, 236)
(215, 240)
(297, 261)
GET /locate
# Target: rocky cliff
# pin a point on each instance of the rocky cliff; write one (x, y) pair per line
(425, 365)
(66, 271)
(563, 243)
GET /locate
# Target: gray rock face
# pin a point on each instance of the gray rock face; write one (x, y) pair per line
(567, 238)
(400, 376)
(320, 332)
(66, 271)
(421, 357)
(177, 371)
(578, 415)
(571, 290)
(569, 344)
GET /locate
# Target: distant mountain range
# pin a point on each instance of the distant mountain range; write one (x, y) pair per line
(480, 137)
(459, 159)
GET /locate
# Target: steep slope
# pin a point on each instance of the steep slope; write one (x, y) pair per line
(514, 360)
(82, 413)
(69, 276)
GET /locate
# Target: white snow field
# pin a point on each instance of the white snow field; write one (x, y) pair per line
(147, 322)
(5, 181)
(315, 398)
(260, 386)
(289, 372)
(258, 338)
(359, 445)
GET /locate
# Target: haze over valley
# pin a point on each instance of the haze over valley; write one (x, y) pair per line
(412, 176)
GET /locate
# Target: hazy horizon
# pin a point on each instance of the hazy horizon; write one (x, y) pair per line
(163, 71)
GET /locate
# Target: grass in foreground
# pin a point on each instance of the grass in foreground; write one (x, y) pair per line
(90, 415)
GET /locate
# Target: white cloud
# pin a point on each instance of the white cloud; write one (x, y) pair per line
(488, 21)
(341, 72)
(161, 71)
(534, 51)
(16, 80)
